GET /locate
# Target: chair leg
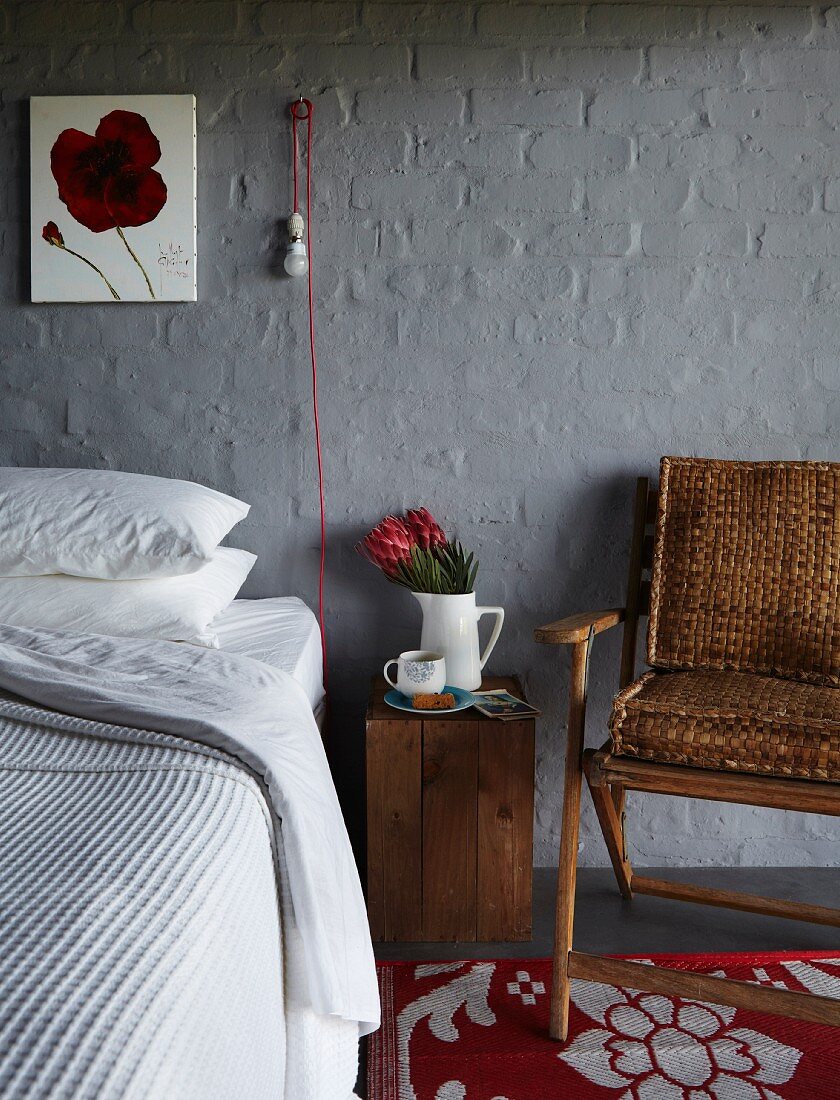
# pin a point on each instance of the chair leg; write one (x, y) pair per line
(567, 871)
(609, 804)
(618, 796)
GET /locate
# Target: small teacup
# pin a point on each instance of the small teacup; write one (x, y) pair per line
(418, 672)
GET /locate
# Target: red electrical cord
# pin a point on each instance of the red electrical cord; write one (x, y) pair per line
(297, 117)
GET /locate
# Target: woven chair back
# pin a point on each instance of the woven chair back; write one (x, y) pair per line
(746, 568)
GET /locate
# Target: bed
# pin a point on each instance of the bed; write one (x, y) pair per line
(179, 913)
(282, 632)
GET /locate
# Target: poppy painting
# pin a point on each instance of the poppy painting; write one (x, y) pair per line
(113, 198)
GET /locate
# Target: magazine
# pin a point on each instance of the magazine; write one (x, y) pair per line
(501, 704)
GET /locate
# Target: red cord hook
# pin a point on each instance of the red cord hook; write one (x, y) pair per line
(295, 108)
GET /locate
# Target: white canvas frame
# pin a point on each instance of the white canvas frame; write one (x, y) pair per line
(165, 246)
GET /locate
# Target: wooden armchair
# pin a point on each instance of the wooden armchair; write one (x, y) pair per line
(742, 703)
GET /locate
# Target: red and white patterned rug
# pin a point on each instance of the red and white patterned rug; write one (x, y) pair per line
(477, 1030)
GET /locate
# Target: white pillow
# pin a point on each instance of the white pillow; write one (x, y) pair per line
(104, 523)
(179, 609)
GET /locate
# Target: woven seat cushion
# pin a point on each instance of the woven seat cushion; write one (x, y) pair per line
(734, 721)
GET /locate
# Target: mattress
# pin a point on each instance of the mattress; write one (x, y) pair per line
(280, 631)
(147, 951)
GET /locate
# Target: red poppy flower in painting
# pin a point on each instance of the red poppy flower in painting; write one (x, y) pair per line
(106, 180)
(52, 235)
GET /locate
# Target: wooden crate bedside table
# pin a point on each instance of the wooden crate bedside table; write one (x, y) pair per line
(450, 819)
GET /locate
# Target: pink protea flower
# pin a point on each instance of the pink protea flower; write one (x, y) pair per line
(388, 544)
(425, 528)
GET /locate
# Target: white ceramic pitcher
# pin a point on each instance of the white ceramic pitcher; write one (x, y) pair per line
(450, 627)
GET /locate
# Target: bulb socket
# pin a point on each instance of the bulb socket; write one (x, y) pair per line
(295, 227)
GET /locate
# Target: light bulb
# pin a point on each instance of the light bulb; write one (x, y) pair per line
(296, 262)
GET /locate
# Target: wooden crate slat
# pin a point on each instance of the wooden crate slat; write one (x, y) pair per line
(450, 772)
(505, 830)
(394, 829)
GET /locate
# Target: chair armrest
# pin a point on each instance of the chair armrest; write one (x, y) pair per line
(577, 628)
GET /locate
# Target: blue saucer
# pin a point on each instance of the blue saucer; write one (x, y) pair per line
(463, 699)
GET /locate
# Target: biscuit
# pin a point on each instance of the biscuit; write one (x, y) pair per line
(434, 702)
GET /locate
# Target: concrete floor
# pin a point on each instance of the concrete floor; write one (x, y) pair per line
(605, 923)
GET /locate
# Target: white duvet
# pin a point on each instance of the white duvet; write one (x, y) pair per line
(259, 715)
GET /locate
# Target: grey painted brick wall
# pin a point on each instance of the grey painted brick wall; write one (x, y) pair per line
(552, 243)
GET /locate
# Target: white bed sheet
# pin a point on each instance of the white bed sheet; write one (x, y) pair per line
(282, 632)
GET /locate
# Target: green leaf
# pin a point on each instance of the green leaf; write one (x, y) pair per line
(445, 569)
